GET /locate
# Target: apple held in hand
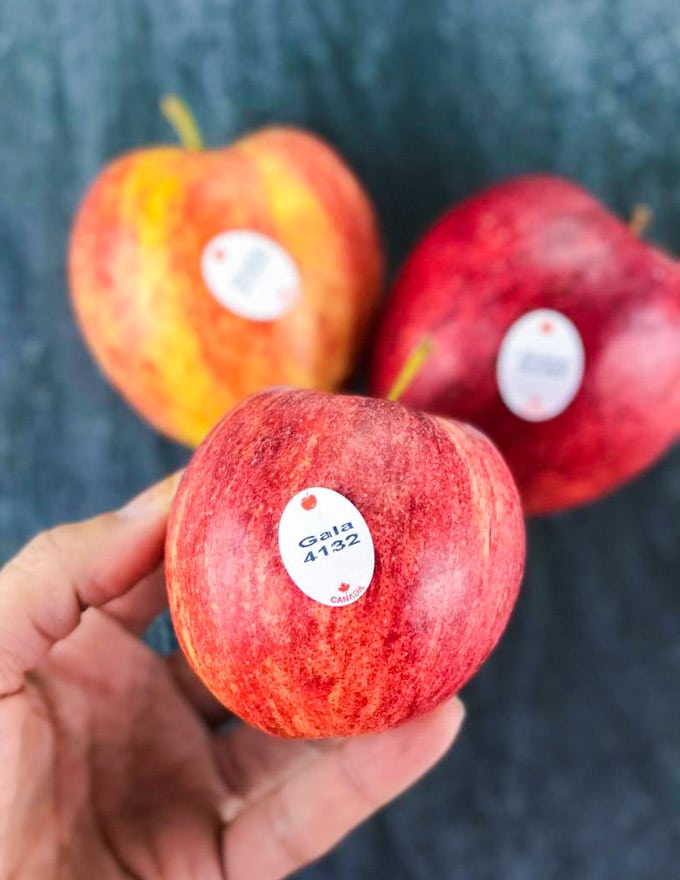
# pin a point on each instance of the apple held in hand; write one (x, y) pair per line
(336, 564)
(554, 329)
(199, 277)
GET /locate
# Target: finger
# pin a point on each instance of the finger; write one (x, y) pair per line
(313, 810)
(194, 691)
(145, 601)
(45, 589)
(253, 764)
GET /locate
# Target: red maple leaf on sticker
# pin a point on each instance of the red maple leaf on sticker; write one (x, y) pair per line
(343, 587)
(219, 255)
(546, 327)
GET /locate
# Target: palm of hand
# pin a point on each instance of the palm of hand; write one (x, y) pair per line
(119, 776)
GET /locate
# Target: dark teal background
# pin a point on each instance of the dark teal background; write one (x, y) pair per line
(569, 766)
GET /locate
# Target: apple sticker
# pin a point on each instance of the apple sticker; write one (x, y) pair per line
(250, 274)
(326, 546)
(540, 365)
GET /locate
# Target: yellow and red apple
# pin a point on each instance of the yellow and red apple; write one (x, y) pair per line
(201, 276)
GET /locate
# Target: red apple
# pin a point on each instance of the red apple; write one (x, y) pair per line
(368, 608)
(555, 330)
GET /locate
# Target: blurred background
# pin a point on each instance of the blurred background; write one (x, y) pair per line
(569, 766)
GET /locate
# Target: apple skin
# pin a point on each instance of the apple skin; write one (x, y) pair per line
(448, 533)
(543, 242)
(178, 356)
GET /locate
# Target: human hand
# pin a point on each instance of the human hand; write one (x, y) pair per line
(112, 761)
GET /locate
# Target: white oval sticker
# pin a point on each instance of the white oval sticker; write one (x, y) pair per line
(326, 546)
(540, 365)
(250, 274)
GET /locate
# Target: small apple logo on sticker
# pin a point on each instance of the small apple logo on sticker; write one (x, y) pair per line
(308, 502)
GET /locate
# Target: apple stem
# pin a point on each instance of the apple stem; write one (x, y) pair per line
(180, 117)
(411, 367)
(640, 218)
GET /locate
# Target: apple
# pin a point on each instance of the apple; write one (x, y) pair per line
(201, 276)
(554, 329)
(338, 564)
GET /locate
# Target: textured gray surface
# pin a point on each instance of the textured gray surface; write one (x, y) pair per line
(569, 766)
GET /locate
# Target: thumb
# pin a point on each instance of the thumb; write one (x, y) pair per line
(64, 570)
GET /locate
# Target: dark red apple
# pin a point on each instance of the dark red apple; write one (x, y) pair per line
(555, 330)
(363, 609)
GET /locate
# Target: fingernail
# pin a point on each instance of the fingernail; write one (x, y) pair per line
(154, 501)
(459, 711)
